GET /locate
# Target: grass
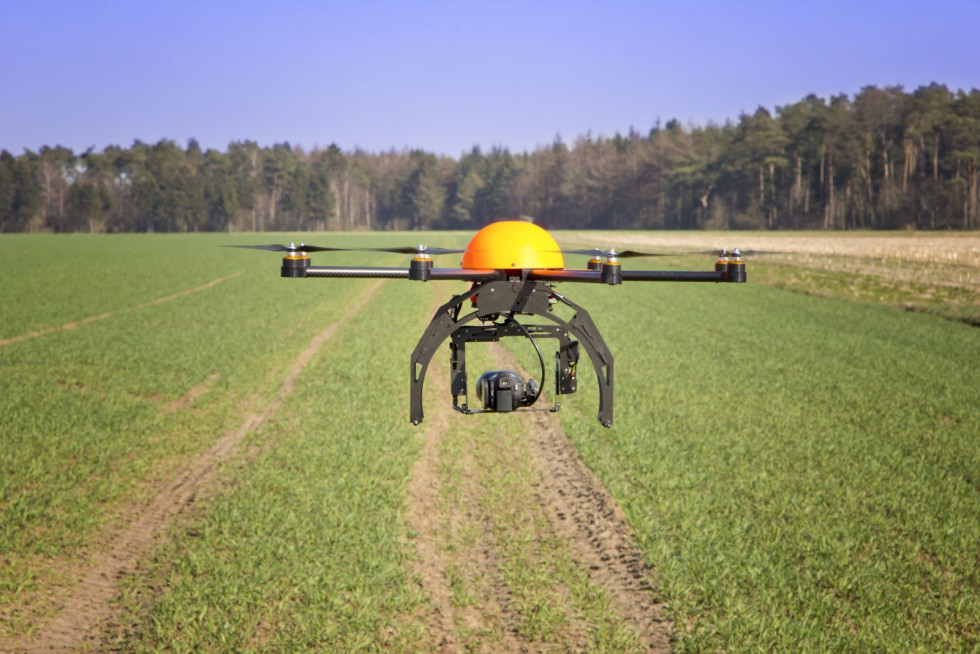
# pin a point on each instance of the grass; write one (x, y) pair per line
(86, 428)
(52, 280)
(801, 470)
(800, 467)
(303, 549)
(920, 287)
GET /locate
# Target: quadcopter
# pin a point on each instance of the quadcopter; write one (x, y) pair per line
(513, 267)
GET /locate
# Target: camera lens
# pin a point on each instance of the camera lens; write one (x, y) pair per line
(500, 390)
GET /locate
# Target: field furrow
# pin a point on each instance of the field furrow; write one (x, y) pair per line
(424, 517)
(91, 319)
(590, 520)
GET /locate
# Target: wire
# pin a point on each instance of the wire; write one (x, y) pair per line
(510, 317)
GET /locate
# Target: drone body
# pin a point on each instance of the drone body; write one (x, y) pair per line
(513, 267)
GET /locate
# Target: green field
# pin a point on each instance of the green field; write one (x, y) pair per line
(801, 470)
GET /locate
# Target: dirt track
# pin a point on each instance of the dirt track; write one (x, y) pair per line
(584, 513)
(560, 505)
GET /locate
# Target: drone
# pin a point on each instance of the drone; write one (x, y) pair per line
(513, 267)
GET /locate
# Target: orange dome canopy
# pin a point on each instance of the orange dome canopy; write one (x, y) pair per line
(512, 244)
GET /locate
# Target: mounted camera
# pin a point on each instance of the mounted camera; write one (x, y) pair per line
(503, 391)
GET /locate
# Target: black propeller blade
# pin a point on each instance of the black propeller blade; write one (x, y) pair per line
(754, 252)
(302, 247)
(741, 252)
(285, 248)
(421, 249)
(625, 254)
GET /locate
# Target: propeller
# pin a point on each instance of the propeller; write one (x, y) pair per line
(754, 252)
(302, 247)
(626, 254)
(421, 249)
(741, 252)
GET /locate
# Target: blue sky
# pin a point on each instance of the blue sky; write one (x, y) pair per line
(444, 76)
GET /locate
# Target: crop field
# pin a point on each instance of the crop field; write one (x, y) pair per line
(196, 454)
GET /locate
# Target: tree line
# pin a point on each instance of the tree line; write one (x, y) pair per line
(884, 159)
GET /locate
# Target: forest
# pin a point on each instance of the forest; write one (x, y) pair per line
(882, 159)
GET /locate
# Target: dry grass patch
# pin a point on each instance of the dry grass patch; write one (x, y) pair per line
(936, 272)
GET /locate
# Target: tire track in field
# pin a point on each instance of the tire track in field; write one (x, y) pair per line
(462, 563)
(91, 319)
(423, 517)
(87, 610)
(592, 523)
(187, 399)
(429, 517)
